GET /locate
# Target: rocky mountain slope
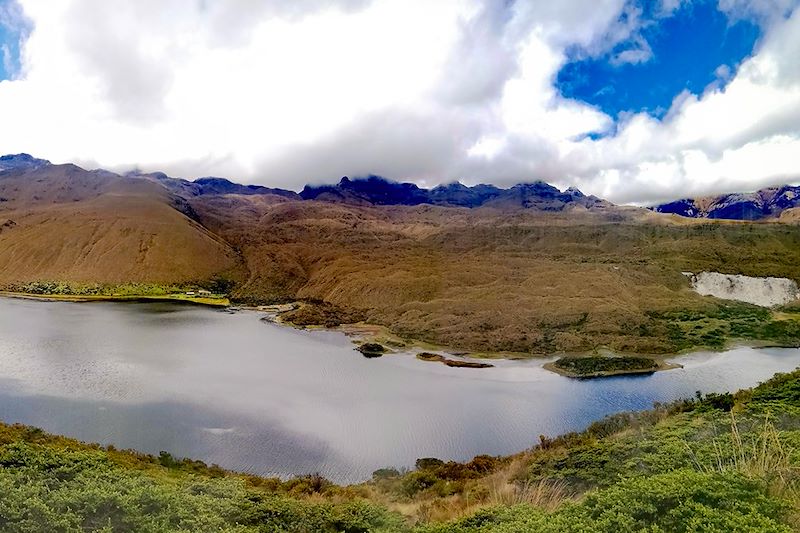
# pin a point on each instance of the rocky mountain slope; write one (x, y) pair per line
(766, 203)
(375, 190)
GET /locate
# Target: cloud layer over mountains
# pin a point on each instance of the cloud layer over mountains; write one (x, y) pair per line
(283, 93)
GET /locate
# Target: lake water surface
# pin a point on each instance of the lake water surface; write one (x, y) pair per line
(253, 396)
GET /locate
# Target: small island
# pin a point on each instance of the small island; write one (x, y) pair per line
(600, 366)
(435, 357)
(371, 349)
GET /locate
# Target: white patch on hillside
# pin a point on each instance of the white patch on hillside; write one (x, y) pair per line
(766, 292)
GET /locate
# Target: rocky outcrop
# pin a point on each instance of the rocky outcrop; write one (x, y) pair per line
(766, 203)
(370, 190)
(8, 224)
(371, 349)
(211, 186)
(455, 363)
(766, 292)
(375, 190)
(21, 162)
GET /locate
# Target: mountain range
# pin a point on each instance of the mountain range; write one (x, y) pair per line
(379, 191)
(529, 269)
(375, 190)
(765, 203)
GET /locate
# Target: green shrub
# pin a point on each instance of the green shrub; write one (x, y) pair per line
(385, 473)
(417, 481)
(680, 501)
(428, 463)
(590, 365)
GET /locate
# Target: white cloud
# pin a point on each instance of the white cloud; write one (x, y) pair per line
(766, 12)
(282, 93)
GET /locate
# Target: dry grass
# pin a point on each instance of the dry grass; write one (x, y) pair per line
(492, 281)
(543, 494)
(759, 454)
(78, 226)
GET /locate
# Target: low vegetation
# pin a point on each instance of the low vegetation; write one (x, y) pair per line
(54, 484)
(212, 292)
(481, 280)
(523, 281)
(715, 327)
(717, 462)
(599, 365)
(317, 313)
(371, 349)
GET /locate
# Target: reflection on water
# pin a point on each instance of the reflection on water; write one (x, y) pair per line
(252, 396)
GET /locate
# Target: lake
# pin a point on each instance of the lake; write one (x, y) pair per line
(231, 389)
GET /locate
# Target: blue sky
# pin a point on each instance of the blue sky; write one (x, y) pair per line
(6, 40)
(683, 51)
(13, 28)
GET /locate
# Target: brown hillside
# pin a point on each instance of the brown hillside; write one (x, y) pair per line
(63, 223)
(791, 216)
(487, 279)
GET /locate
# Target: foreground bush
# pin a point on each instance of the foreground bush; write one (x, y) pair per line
(43, 489)
(677, 502)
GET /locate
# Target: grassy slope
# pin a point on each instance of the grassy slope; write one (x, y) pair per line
(522, 281)
(690, 466)
(67, 224)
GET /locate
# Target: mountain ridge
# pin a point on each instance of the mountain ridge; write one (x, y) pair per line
(766, 203)
(769, 202)
(368, 190)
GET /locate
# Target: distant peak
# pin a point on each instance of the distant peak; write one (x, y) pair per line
(213, 180)
(452, 186)
(537, 185)
(21, 162)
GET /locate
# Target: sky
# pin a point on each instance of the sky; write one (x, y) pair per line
(636, 102)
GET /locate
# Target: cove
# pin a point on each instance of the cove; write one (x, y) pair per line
(231, 389)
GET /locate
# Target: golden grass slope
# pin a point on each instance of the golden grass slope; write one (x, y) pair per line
(66, 224)
(491, 280)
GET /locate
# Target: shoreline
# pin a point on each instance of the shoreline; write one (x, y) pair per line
(362, 332)
(365, 332)
(83, 298)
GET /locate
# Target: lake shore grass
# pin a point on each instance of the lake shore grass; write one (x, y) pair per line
(333, 319)
(175, 297)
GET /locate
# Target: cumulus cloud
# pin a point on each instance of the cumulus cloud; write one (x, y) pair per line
(288, 92)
